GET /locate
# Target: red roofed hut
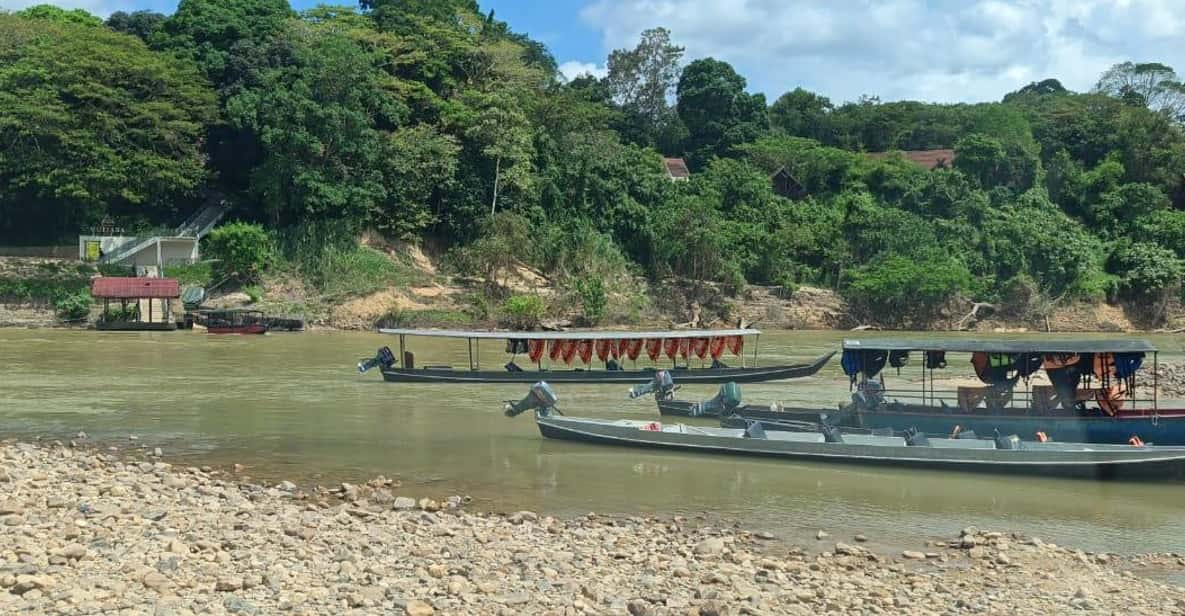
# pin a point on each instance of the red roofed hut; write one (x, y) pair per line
(144, 303)
(676, 169)
(929, 159)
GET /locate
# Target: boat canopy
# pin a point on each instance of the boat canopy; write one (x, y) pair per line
(573, 335)
(972, 345)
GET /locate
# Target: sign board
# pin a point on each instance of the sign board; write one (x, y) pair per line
(93, 251)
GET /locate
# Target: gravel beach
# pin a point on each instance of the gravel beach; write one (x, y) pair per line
(86, 532)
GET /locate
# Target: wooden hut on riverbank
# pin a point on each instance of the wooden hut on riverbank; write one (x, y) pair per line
(145, 304)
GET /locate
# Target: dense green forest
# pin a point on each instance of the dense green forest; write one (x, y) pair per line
(429, 119)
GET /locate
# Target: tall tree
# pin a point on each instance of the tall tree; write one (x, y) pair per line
(93, 122)
(316, 116)
(801, 113)
(212, 32)
(1146, 84)
(717, 111)
(642, 79)
(140, 24)
(52, 13)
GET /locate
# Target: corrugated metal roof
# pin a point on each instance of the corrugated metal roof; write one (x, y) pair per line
(570, 335)
(676, 168)
(1032, 345)
(930, 159)
(135, 288)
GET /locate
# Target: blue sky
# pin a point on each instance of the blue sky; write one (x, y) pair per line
(937, 50)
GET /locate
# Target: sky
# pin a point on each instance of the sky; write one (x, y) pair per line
(932, 50)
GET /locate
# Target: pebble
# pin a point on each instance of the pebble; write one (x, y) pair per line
(912, 555)
(403, 502)
(416, 607)
(712, 546)
(154, 580)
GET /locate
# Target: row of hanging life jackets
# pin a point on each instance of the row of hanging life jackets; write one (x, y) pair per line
(567, 350)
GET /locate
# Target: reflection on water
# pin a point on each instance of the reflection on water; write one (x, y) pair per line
(293, 406)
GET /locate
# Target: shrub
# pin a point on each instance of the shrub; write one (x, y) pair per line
(523, 311)
(787, 286)
(496, 252)
(242, 251)
(117, 313)
(593, 299)
(254, 292)
(201, 274)
(75, 307)
(1145, 270)
(901, 290)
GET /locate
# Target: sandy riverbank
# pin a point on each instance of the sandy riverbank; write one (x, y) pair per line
(87, 533)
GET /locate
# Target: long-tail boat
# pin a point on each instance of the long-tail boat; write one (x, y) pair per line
(1000, 454)
(694, 355)
(1043, 388)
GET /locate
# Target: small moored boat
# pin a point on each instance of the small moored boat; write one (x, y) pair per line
(552, 354)
(234, 322)
(999, 455)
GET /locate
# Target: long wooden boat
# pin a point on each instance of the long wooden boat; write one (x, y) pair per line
(983, 455)
(1075, 414)
(682, 348)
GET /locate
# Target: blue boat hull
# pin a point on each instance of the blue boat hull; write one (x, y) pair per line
(1161, 430)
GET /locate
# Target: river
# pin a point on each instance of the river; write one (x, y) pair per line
(293, 406)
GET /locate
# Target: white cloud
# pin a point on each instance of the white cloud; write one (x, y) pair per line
(943, 50)
(573, 69)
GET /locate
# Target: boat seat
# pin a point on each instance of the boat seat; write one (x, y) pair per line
(795, 437)
(962, 443)
(880, 441)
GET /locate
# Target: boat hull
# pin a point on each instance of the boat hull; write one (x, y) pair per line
(254, 328)
(1168, 428)
(1114, 463)
(625, 377)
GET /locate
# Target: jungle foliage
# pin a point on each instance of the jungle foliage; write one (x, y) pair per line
(434, 120)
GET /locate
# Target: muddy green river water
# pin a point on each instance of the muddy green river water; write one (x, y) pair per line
(293, 406)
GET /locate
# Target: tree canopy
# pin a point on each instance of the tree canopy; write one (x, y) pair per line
(433, 120)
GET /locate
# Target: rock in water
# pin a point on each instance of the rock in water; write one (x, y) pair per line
(912, 555)
(844, 549)
(821, 535)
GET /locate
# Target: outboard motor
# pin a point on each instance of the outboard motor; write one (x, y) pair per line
(869, 395)
(727, 399)
(755, 430)
(1007, 442)
(831, 434)
(541, 398)
(662, 386)
(913, 438)
(384, 358)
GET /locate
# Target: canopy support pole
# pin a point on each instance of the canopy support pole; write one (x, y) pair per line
(470, 341)
(756, 342)
(402, 352)
(1155, 381)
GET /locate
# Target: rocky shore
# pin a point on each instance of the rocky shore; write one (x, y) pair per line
(85, 532)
